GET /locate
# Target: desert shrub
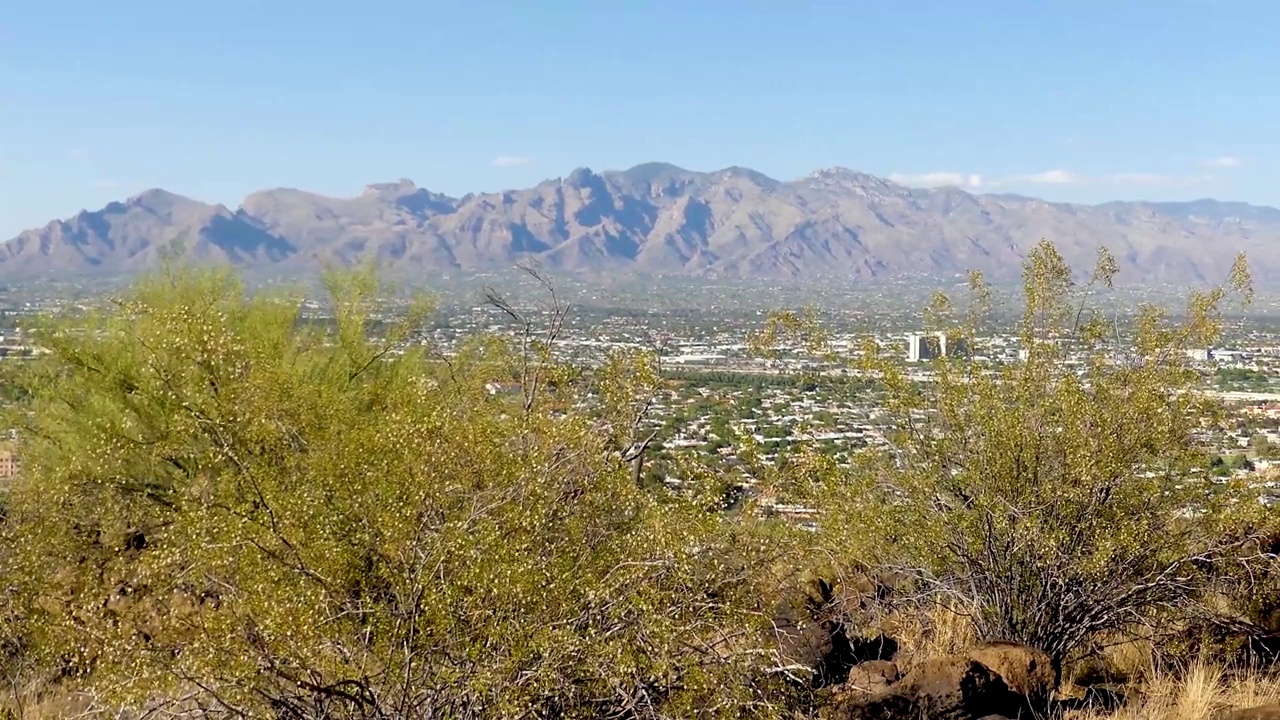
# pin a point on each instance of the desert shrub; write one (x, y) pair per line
(1054, 498)
(245, 515)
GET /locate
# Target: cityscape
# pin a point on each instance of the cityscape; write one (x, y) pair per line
(719, 391)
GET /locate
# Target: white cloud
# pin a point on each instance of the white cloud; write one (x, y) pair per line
(1050, 177)
(106, 185)
(937, 179)
(1224, 161)
(1139, 178)
(510, 161)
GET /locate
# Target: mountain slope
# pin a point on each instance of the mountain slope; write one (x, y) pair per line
(657, 219)
(133, 235)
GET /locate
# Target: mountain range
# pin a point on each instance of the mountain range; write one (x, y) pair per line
(656, 219)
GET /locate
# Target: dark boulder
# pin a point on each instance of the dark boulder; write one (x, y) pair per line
(1027, 671)
(871, 677)
(811, 630)
(951, 688)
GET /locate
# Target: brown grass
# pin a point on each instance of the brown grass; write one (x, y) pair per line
(927, 635)
(1200, 692)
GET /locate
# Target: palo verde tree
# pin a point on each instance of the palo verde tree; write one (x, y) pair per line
(228, 512)
(1057, 497)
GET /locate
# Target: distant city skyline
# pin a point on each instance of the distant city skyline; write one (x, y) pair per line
(1078, 101)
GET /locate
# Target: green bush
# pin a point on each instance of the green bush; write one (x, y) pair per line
(225, 507)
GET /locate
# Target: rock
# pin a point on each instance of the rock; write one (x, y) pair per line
(1261, 712)
(887, 705)
(1027, 671)
(872, 677)
(866, 589)
(956, 687)
(951, 688)
(870, 649)
(810, 630)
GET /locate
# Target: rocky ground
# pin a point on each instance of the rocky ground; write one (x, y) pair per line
(932, 667)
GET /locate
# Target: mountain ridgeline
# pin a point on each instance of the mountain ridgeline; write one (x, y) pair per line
(656, 219)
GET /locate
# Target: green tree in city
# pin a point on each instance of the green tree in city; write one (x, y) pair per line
(1262, 445)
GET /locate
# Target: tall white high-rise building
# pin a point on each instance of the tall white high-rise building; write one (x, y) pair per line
(926, 346)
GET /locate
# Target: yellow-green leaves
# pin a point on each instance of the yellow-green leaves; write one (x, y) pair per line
(1037, 488)
(798, 330)
(228, 499)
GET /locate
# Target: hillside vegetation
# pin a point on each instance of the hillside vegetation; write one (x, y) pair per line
(227, 512)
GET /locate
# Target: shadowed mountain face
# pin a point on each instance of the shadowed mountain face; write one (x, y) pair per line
(657, 219)
(135, 234)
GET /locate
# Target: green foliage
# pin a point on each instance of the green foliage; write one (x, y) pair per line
(1056, 498)
(231, 510)
(265, 517)
(1232, 377)
(1263, 447)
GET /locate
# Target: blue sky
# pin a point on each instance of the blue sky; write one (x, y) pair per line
(1077, 100)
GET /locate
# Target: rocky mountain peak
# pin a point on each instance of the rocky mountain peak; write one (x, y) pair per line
(584, 178)
(390, 190)
(159, 200)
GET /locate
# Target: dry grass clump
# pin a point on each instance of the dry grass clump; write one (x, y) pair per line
(922, 635)
(1151, 689)
(1200, 692)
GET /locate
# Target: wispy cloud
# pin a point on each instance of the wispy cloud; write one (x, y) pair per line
(1050, 177)
(106, 185)
(1143, 178)
(510, 161)
(1066, 177)
(1140, 178)
(1223, 161)
(974, 180)
(937, 179)
(78, 154)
